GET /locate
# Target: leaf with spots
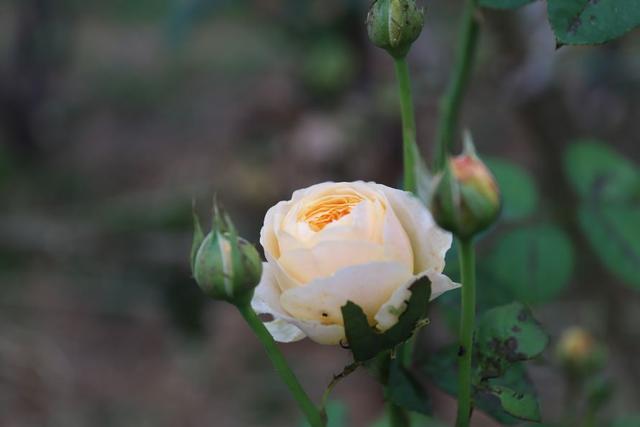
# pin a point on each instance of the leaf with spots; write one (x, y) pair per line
(592, 21)
(520, 405)
(366, 342)
(506, 335)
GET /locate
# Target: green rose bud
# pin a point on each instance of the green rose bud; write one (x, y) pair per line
(225, 266)
(394, 25)
(466, 198)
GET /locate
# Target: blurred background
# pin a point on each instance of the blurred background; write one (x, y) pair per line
(115, 115)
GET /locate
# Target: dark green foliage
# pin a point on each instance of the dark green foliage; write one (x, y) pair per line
(592, 22)
(505, 337)
(365, 342)
(533, 264)
(609, 186)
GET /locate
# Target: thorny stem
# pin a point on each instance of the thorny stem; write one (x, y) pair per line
(310, 411)
(452, 99)
(467, 318)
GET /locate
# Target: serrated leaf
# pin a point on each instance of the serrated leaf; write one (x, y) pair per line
(598, 173)
(590, 21)
(365, 342)
(532, 264)
(504, 4)
(614, 234)
(441, 367)
(506, 335)
(405, 391)
(517, 188)
(520, 405)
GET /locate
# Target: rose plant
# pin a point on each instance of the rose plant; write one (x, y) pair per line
(346, 261)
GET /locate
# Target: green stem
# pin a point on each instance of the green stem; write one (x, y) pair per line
(467, 317)
(452, 98)
(409, 148)
(280, 364)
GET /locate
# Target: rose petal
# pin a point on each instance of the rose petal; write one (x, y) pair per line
(392, 309)
(266, 300)
(283, 327)
(368, 285)
(326, 258)
(429, 242)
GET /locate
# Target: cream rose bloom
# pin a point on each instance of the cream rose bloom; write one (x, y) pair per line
(335, 242)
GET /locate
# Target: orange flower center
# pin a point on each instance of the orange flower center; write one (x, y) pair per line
(328, 209)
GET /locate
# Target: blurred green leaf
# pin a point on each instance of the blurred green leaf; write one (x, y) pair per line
(329, 65)
(592, 22)
(504, 4)
(405, 391)
(614, 234)
(610, 187)
(365, 342)
(517, 187)
(533, 264)
(597, 172)
(627, 421)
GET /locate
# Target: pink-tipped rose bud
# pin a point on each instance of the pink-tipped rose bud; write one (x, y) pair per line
(466, 198)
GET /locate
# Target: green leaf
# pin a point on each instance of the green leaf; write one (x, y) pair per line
(614, 234)
(506, 335)
(405, 391)
(504, 4)
(520, 405)
(627, 421)
(598, 173)
(517, 187)
(592, 21)
(532, 264)
(441, 368)
(365, 342)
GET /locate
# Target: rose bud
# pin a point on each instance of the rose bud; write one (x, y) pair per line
(394, 25)
(466, 198)
(347, 241)
(579, 353)
(225, 266)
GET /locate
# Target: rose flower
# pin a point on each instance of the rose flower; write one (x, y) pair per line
(338, 242)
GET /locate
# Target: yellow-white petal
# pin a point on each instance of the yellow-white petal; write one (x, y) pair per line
(368, 285)
(326, 258)
(266, 300)
(429, 242)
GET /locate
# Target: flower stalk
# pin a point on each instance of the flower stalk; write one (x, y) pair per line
(452, 99)
(409, 148)
(467, 320)
(309, 409)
